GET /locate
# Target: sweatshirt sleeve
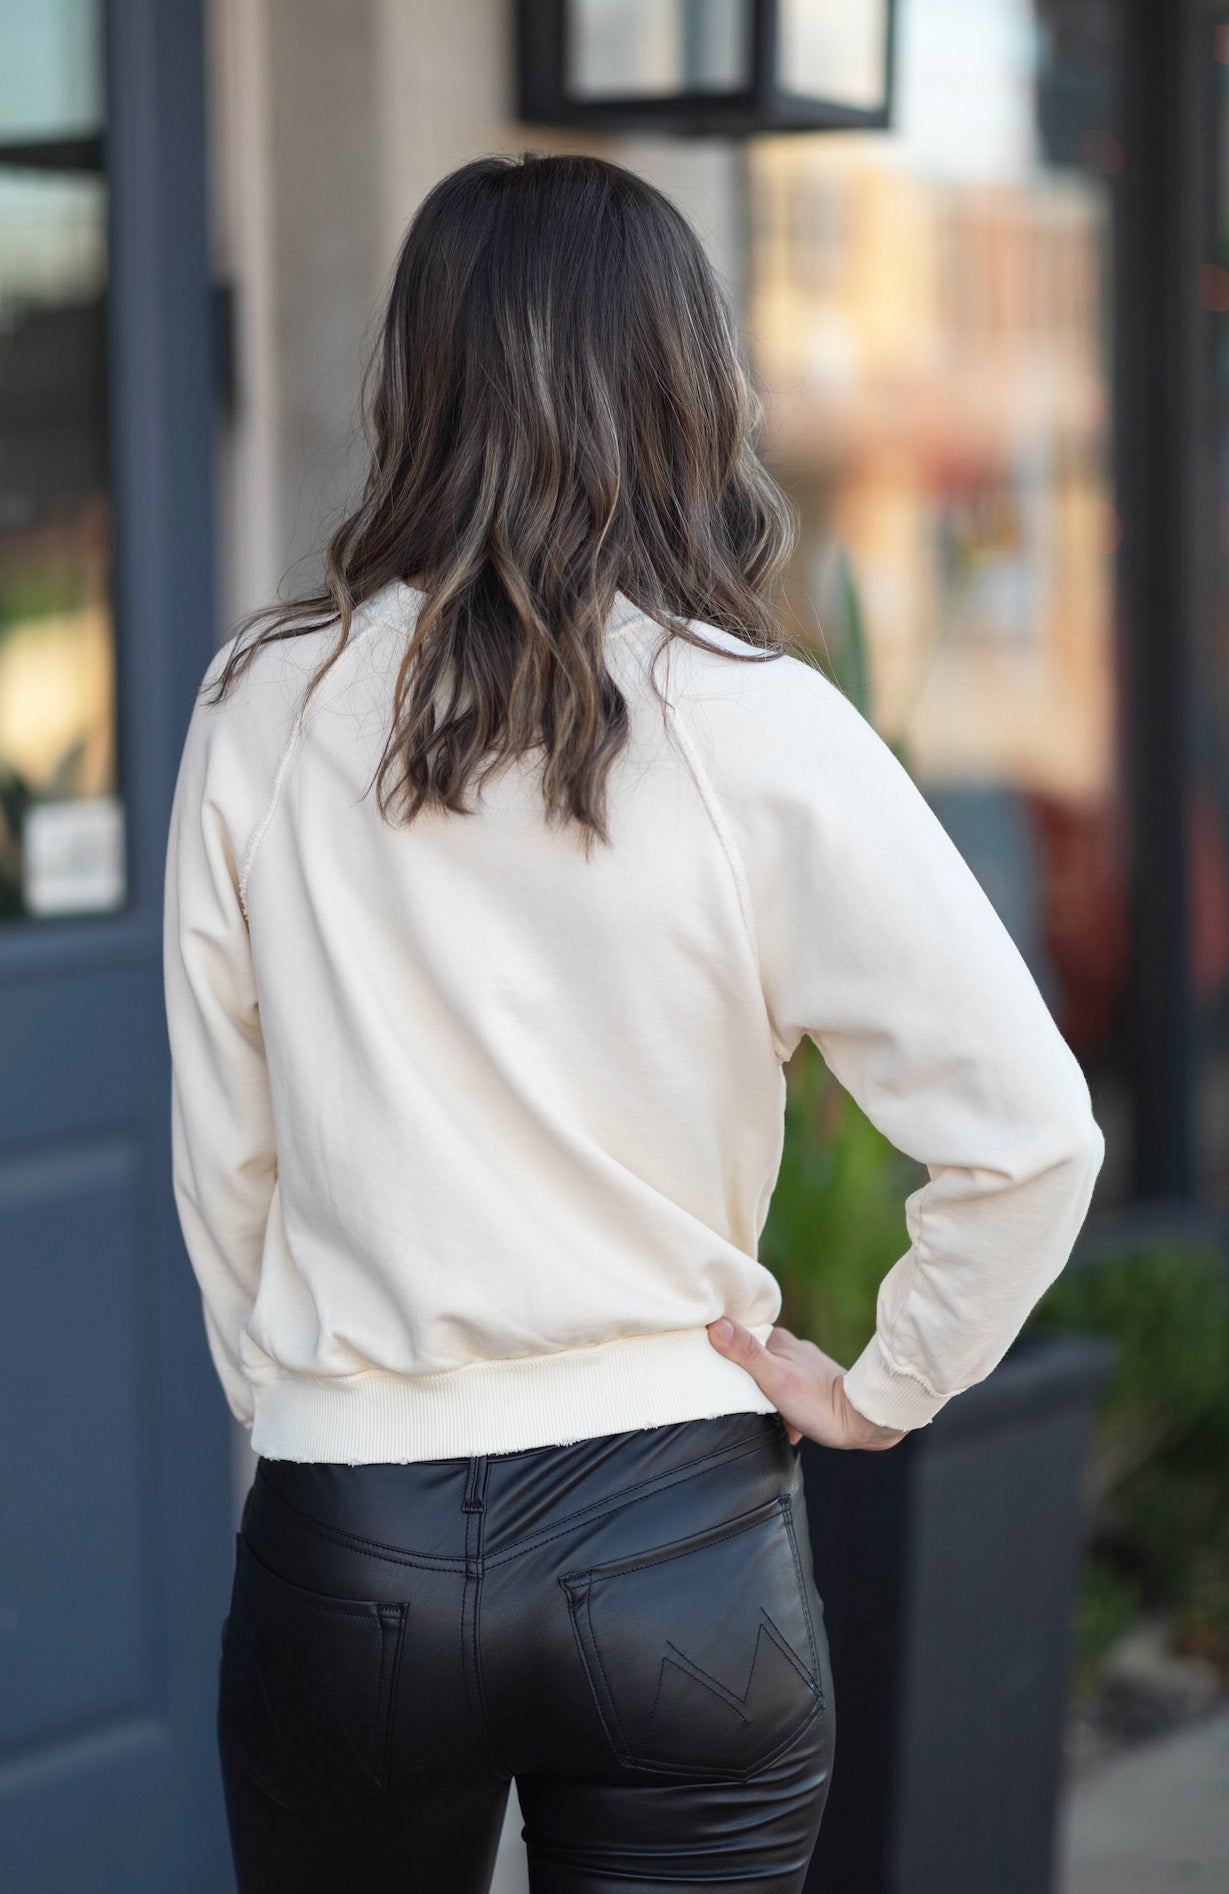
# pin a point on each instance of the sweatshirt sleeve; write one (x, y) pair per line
(223, 1156)
(877, 940)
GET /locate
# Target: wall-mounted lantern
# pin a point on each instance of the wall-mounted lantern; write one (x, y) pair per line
(731, 67)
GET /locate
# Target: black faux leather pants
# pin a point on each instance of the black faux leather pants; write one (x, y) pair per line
(628, 1626)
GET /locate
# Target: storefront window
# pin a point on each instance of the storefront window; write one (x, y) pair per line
(929, 323)
(60, 817)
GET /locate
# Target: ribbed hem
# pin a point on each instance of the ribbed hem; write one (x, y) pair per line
(502, 1406)
(887, 1395)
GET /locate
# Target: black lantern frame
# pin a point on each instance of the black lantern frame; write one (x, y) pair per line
(759, 107)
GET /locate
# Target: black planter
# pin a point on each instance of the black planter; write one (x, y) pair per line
(948, 1567)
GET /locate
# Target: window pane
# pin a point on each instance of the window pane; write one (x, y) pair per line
(60, 817)
(929, 324)
(833, 49)
(51, 73)
(654, 48)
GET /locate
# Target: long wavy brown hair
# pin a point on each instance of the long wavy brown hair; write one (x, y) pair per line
(558, 411)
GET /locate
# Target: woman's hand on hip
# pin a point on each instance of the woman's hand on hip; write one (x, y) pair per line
(805, 1386)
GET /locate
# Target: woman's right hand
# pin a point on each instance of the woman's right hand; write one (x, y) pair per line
(805, 1386)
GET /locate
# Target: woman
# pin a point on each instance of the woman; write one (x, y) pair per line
(504, 875)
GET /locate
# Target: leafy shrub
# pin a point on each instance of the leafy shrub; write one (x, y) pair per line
(836, 1223)
(1160, 1460)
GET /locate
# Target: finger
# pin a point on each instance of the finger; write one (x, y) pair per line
(771, 1373)
(785, 1343)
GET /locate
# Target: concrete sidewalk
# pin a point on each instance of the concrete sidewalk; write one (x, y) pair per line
(511, 1869)
(1158, 1819)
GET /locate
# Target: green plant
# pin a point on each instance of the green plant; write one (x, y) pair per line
(837, 1223)
(1108, 1606)
(846, 648)
(851, 662)
(1159, 1467)
(1167, 1311)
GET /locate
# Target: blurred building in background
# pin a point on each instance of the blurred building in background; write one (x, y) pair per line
(943, 325)
(991, 347)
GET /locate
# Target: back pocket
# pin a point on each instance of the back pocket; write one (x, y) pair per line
(701, 1655)
(306, 1688)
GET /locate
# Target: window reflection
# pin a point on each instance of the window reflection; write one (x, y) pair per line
(929, 322)
(60, 819)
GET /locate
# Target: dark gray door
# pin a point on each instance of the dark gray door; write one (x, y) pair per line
(115, 1508)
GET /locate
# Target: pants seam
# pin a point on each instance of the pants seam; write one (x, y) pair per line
(474, 1509)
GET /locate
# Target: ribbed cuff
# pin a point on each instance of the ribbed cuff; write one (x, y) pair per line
(887, 1395)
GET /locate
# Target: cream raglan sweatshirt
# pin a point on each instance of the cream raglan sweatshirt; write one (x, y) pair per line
(472, 1137)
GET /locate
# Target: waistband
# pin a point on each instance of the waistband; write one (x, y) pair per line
(299, 1514)
(494, 1407)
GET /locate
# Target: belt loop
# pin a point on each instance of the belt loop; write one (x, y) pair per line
(475, 1485)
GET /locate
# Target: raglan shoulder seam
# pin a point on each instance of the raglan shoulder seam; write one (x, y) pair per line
(711, 801)
(289, 751)
(289, 754)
